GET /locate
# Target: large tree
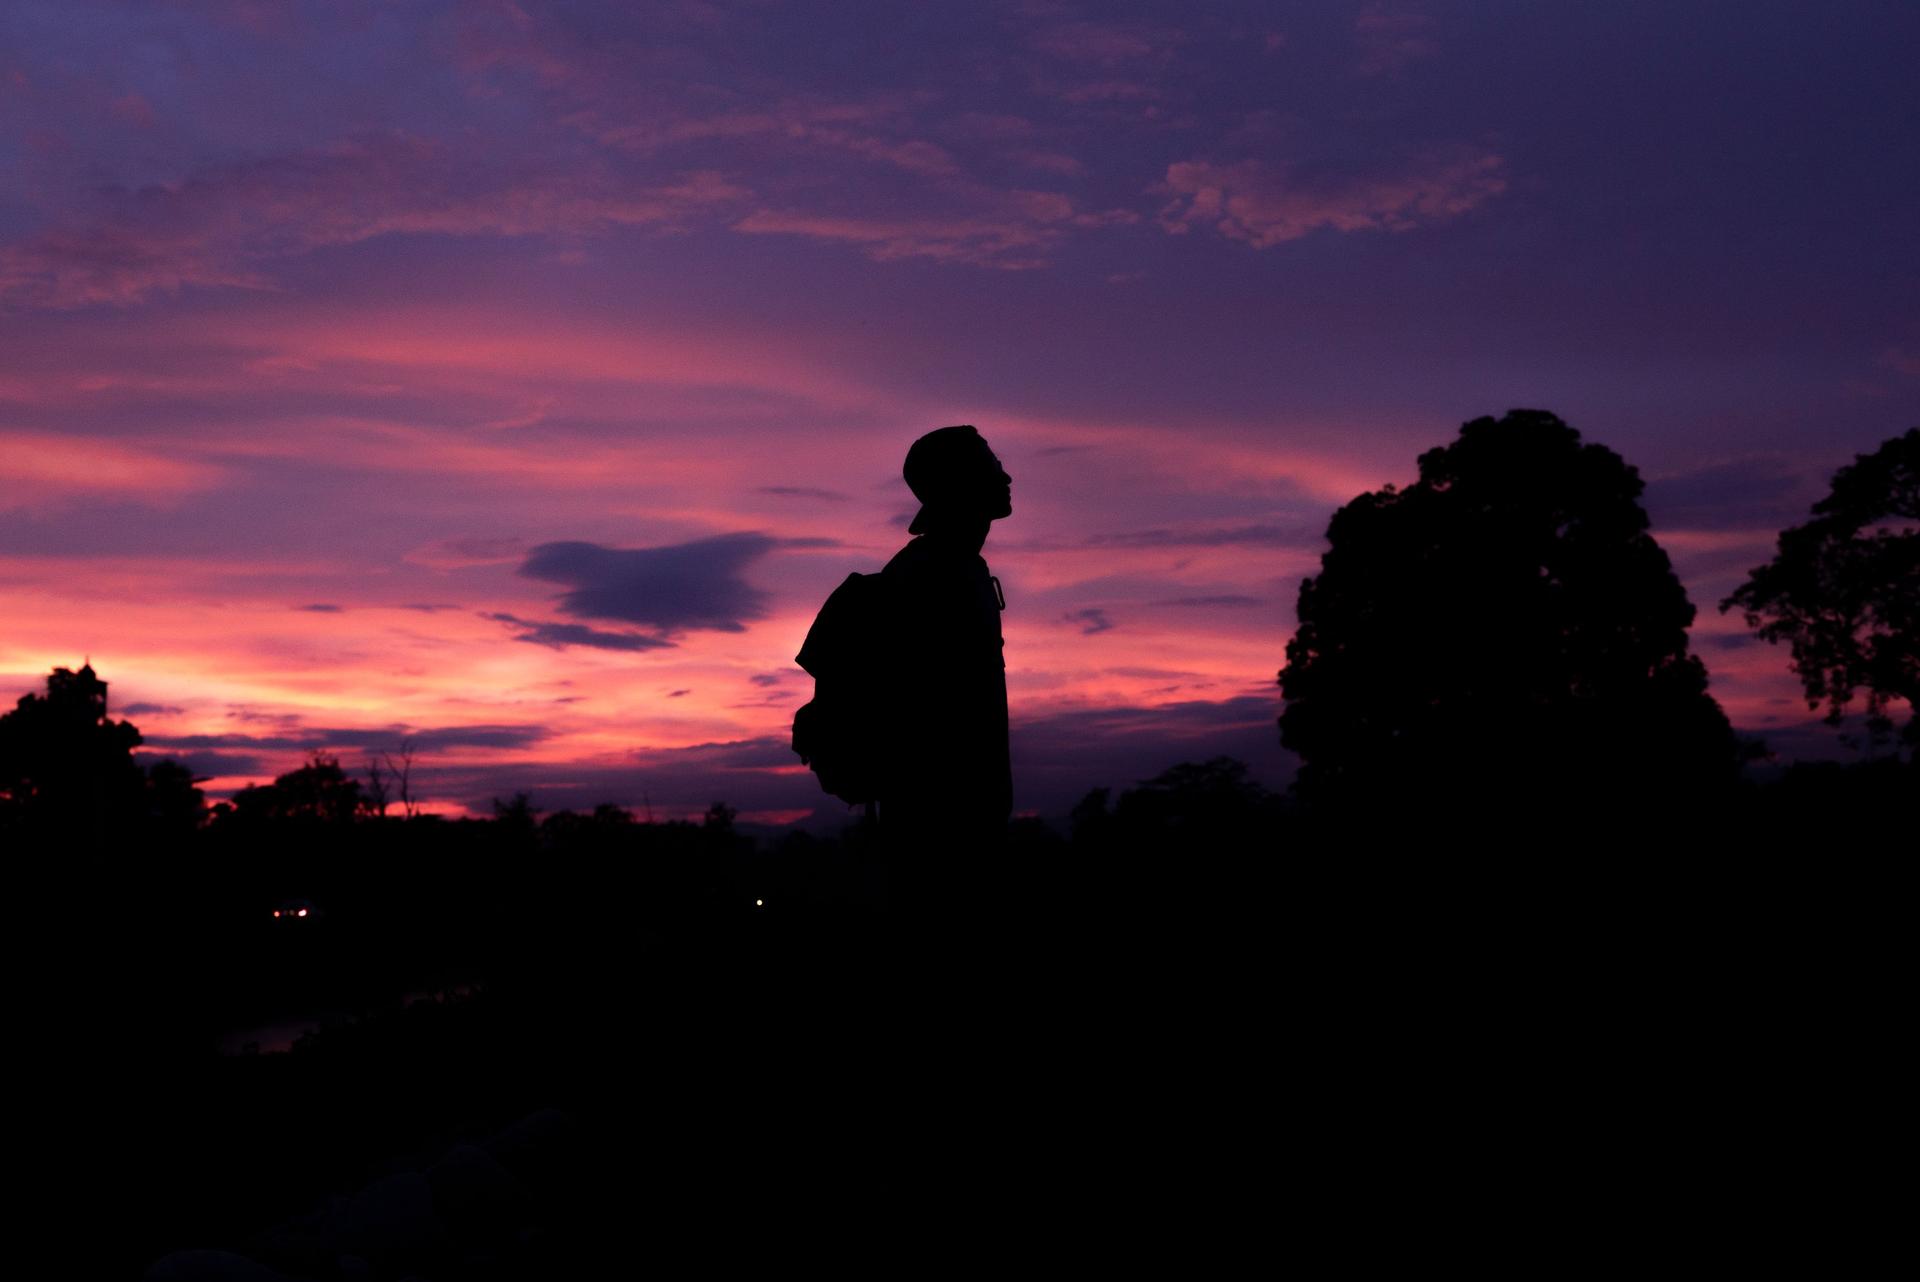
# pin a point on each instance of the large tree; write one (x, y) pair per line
(1502, 634)
(1843, 589)
(67, 771)
(65, 765)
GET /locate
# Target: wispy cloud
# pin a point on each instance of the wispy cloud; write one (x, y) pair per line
(1267, 205)
(1107, 44)
(458, 553)
(853, 129)
(1739, 494)
(558, 636)
(1299, 535)
(374, 738)
(223, 225)
(1392, 37)
(1012, 230)
(1228, 600)
(803, 492)
(1904, 360)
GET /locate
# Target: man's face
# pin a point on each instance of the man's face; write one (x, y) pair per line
(992, 486)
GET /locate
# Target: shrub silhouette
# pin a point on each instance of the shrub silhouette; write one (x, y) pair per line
(1501, 636)
(1843, 589)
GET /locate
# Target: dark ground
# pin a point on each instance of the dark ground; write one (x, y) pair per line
(1164, 1054)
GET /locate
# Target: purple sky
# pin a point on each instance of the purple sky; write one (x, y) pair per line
(318, 319)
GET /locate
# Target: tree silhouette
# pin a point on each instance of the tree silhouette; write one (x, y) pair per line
(1207, 801)
(378, 780)
(65, 764)
(400, 777)
(320, 792)
(1503, 635)
(517, 814)
(1843, 589)
(175, 804)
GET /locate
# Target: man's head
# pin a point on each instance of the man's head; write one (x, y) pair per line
(954, 475)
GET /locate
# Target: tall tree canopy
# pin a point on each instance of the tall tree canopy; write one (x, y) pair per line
(64, 763)
(1843, 589)
(1502, 632)
(68, 773)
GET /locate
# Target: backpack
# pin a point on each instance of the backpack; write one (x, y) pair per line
(841, 734)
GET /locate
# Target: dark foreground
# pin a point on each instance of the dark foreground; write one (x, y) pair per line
(1164, 1063)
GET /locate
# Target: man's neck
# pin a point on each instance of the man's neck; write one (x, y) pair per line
(960, 534)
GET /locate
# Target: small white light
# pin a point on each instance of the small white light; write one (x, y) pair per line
(759, 903)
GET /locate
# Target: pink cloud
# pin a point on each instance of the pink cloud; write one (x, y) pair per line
(1327, 461)
(38, 469)
(492, 351)
(1266, 205)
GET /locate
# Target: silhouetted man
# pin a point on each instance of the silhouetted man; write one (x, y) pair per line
(948, 787)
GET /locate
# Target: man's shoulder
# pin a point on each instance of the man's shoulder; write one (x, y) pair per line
(918, 561)
(906, 558)
(922, 558)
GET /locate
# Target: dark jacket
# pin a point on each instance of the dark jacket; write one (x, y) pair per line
(948, 715)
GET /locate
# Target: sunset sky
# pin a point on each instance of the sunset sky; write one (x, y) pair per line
(520, 378)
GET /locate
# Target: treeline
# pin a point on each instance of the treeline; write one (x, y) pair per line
(1490, 687)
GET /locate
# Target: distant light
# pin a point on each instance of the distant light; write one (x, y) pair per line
(759, 903)
(301, 913)
(276, 912)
